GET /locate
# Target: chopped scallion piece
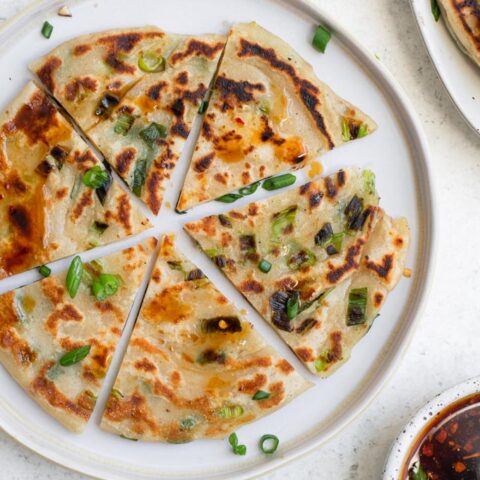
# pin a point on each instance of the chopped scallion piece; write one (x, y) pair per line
(293, 305)
(74, 276)
(268, 444)
(203, 107)
(261, 395)
(301, 258)
(116, 393)
(105, 285)
(44, 271)
(152, 133)
(436, 12)
(282, 221)
(95, 177)
(321, 38)
(99, 227)
(264, 266)
(346, 136)
(47, 29)
(279, 182)
(369, 181)
(150, 62)
(139, 176)
(236, 448)
(357, 306)
(124, 124)
(362, 130)
(233, 411)
(250, 189)
(229, 198)
(74, 356)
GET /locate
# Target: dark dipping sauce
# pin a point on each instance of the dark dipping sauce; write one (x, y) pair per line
(448, 448)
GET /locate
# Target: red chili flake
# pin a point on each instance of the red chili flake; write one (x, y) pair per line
(427, 449)
(459, 467)
(441, 436)
(239, 120)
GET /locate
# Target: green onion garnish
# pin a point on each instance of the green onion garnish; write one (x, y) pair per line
(435, 10)
(152, 133)
(346, 136)
(47, 29)
(203, 107)
(124, 124)
(250, 189)
(264, 266)
(74, 276)
(261, 395)
(74, 356)
(279, 182)
(268, 443)
(293, 305)
(321, 38)
(105, 285)
(321, 363)
(139, 176)
(44, 271)
(233, 411)
(150, 62)
(115, 393)
(362, 130)
(357, 306)
(95, 177)
(282, 221)
(99, 227)
(229, 198)
(236, 448)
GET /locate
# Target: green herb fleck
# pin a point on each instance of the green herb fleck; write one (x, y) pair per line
(321, 38)
(44, 271)
(74, 356)
(47, 29)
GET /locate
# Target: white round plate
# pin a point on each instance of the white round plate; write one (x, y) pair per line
(460, 75)
(397, 153)
(401, 447)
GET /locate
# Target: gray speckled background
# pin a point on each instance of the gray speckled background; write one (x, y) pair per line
(445, 348)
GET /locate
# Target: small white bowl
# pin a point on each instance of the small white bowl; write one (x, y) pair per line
(402, 445)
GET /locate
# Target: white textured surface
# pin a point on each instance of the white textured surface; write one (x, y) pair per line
(444, 349)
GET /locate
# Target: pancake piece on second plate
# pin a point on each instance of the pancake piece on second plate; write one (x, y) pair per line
(47, 211)
(194, 367)
(316, 262)
(59, 348)
(268, 113)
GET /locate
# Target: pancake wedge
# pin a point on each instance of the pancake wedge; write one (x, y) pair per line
(193, 365)
(316, 262)
(46, 210)
(268, 113)
(58, 348)
(463, 21)
(144, 136)
(88, 75)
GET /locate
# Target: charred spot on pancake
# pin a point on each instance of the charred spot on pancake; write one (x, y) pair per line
(20, 219)
(336, 349)
(21, 350)
(221, 178)
(378, 299)
(251, 286)
(341, 178)
(383, 268)
(241, 90)
(398, 242)
(154, 183)
(304, 188)
(207, 130)
(202, 164)
(122, 42)
(84, 160)
(81, 49)
(75, 89)
(350, 263)
(153, 92)
(223, 324)
(251, 386)
(284, 366)
(253, 209)
(178, 107)
(330, 187)
(85, 200)
(61, 193)
(36, 119)
(315, 198)
(145, 365)
(199, 49)
(46, 71)
(211, 356)
(194, 96)
(44, 168)
(124, 160)
(306, 326)
(305, 353)
(180, 129)
(59, 153)
(182, 78)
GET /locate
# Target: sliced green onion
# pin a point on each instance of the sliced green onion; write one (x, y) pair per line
(203, 107)
(369, 181)
(261, 395)
(250, 189)
(150, 62)
(115, 393)
(264, 266)
(229, 198)
(321, 363)
(124, 124)
(321, 38)
(74, 356)
(268, 444)
(346, 135)
(301, 258)
(139, 176)
(47, 29)
(152, 133)
(233, 411)
(293, 305)
(324, 234)
(281, 221)
(362, 130)
(44, 271)
(99, 227)
(279, 182)
(188, 423)
(74, 276)
(236, 448)
(106, 104)
(436, 12)
(357, 306)
(105, 285)
(95, 177)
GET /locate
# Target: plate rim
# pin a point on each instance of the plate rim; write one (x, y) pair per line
(374, 383)
(439, 73)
